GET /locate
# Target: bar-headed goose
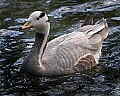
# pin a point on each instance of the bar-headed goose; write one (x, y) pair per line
(69, 53)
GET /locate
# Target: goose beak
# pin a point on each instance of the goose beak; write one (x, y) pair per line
(26, 26)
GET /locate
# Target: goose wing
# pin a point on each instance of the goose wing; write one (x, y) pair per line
(65, 50)
(88, 36)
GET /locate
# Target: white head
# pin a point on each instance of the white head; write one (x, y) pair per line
(38, 20)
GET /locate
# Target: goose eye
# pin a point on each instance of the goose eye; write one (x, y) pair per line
(37, 18)
(41, 15)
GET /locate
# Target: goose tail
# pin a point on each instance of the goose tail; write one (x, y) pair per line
(104, 32)
(88, 20)
(86, 62)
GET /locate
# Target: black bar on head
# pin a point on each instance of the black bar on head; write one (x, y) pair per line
(42, 15)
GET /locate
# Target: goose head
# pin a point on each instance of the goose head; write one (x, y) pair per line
(38, 20)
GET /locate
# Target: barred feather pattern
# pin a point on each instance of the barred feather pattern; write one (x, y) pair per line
(69, 53)
(86, 42)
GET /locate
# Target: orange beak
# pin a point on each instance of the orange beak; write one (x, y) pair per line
(26, 26)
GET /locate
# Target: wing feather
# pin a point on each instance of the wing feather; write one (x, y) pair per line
(68, 48)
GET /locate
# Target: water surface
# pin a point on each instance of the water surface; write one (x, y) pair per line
(65, 16)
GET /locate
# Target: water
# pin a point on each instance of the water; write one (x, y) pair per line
(65, 16)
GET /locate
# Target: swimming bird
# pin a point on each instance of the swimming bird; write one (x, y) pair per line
(74, 52)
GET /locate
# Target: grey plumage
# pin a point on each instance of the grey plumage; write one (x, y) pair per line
(69, 53)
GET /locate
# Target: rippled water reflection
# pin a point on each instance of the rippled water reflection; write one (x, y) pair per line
(65, 16)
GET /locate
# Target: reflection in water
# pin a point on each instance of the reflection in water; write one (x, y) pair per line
(65, 15)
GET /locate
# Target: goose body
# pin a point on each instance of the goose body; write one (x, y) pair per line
(69, 53)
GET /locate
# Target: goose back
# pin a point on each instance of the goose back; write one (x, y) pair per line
(63, 52)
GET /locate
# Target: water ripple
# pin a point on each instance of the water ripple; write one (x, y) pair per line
(14, 45)
(96, 6)
(11, 33)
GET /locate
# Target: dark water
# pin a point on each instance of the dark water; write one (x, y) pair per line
(65, 16)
